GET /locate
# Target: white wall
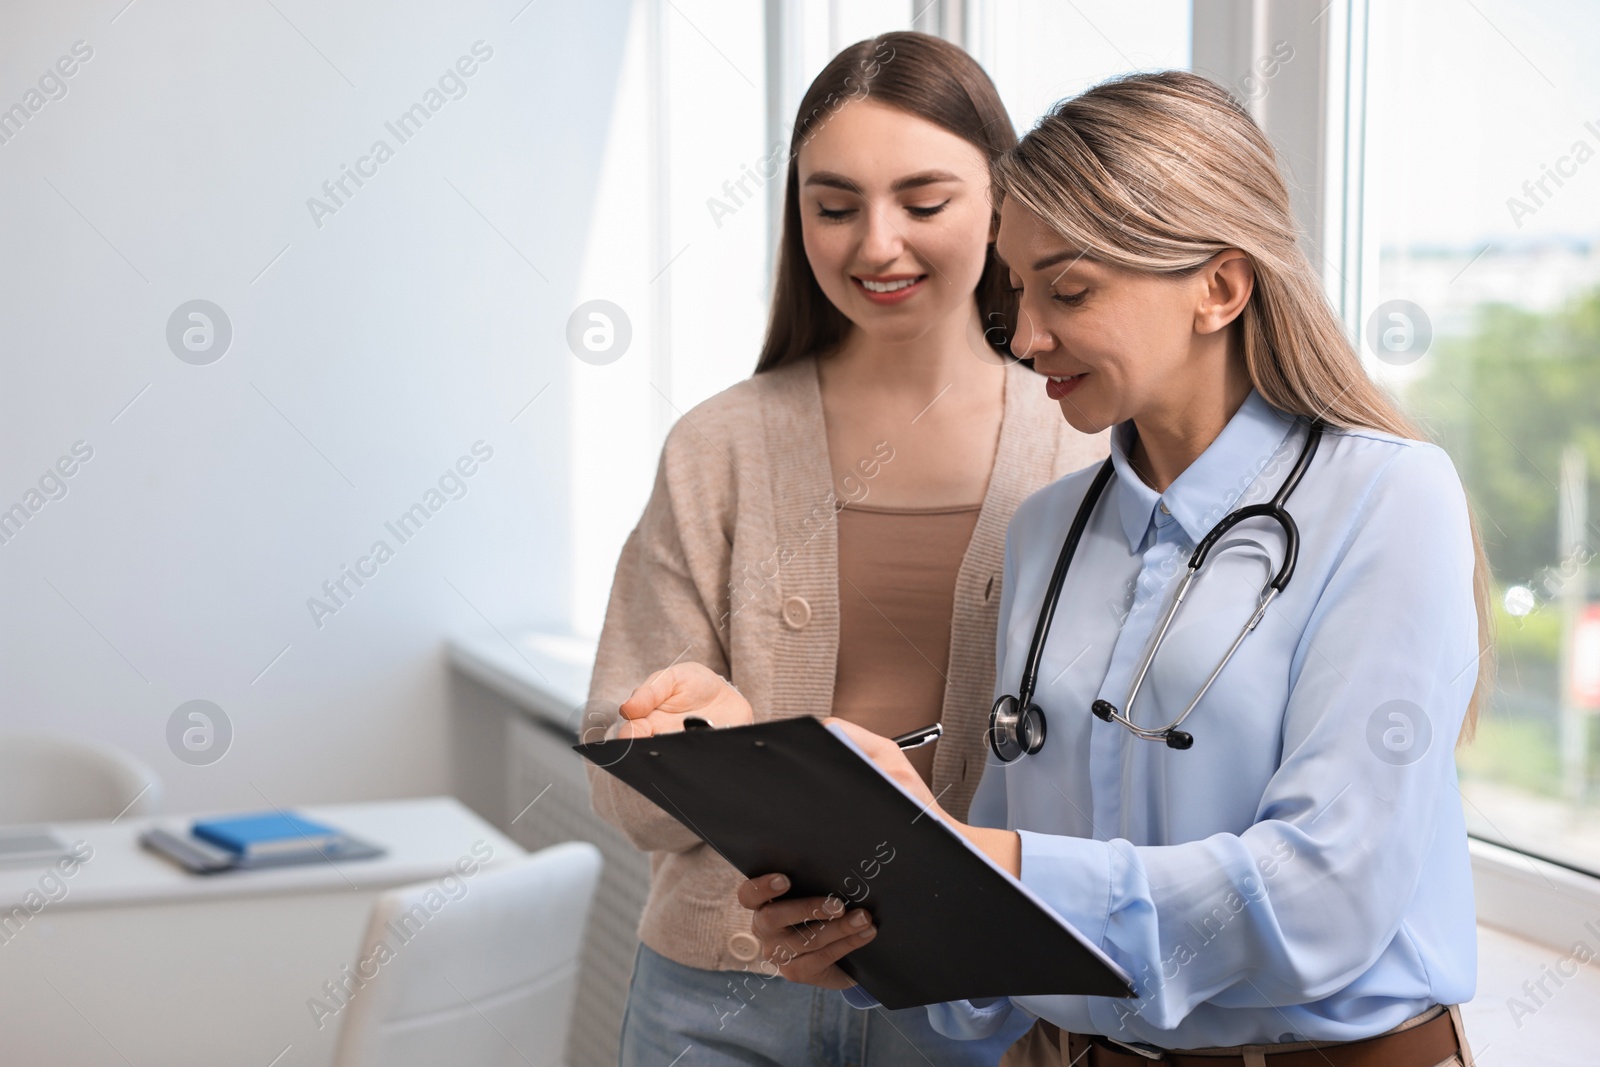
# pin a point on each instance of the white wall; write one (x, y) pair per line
(368, 354)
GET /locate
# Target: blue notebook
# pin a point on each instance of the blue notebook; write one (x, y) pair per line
(268, 834)
(200, 856)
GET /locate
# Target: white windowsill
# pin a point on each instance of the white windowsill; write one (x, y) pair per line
(546, 675)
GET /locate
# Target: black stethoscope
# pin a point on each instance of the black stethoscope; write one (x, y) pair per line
(1016, 724)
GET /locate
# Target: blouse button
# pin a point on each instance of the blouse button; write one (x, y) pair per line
(1164, 509)
(744, 946)
(796, 612)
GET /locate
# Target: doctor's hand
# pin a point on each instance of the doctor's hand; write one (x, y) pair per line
(891, 759)
(804, 938)
(660, 704)
(1002, 846)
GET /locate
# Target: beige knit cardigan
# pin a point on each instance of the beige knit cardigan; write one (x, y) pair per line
(735, 564)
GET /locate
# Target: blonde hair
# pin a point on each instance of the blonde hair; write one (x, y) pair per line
(1158, 173)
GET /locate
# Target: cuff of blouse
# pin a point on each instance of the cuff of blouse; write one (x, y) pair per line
(1073, 876)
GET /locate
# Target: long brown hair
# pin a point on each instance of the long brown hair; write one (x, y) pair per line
(1159, 172)
(924, 76)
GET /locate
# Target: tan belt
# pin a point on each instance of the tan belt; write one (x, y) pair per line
(1432, 1039)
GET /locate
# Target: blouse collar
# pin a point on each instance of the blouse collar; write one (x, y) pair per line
(1206, 490)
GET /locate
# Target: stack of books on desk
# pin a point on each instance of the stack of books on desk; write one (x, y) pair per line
(270, 839)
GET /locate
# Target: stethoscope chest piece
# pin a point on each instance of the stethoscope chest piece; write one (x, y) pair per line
(1015, 731)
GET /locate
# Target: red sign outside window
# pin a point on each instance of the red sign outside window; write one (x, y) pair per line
(1586, 659)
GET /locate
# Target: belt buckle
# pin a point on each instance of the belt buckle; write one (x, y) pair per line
(1154, 1055)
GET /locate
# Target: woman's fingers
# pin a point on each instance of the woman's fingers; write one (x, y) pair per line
(891, 759)
(804, 937)
(807, 950)
(811, 932)
(686, 689)
(879, 749)
(648, 696)
(760, 894)
(754, 892)
(818, 967)
(629, 729)
(778, 915)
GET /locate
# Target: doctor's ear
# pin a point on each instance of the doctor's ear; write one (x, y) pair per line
(1228, 279)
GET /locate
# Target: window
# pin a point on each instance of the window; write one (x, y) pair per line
(1042, 51)
(678, 243)
(1482, 313)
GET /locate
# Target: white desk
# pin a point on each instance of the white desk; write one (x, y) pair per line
(146, 964)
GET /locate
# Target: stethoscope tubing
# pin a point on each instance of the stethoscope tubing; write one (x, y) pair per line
(1058, 577)
(1274, 509)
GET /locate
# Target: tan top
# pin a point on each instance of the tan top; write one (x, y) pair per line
(735, 563)
(897, 589)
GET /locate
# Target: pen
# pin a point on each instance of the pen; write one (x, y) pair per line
(915, 739)
(918, 738)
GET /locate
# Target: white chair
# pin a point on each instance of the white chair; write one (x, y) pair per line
(59, 779)
(482, 971)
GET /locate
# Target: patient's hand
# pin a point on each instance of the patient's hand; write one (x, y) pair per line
(804, 938)
(660, 704)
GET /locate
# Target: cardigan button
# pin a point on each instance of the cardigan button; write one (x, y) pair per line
(796, 613)
(744, 946)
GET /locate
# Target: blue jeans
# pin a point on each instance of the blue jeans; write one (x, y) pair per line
(681, 1016)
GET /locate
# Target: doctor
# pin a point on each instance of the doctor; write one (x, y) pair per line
(1229, 768)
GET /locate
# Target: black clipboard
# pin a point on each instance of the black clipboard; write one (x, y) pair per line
(795, 797)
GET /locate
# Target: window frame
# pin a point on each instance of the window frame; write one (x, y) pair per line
(1315, 111)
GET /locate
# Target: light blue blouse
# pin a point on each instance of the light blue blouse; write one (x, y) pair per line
(1301, 873)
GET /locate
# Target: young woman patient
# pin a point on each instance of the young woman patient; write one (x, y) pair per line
(829, 534)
